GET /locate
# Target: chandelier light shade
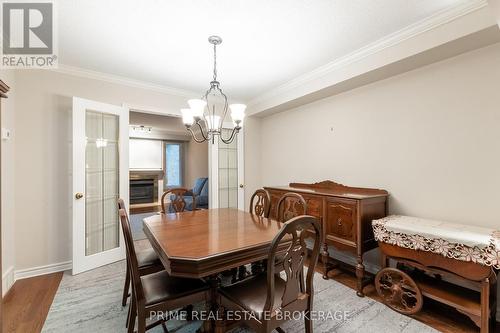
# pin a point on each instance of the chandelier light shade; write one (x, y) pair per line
(205, 117)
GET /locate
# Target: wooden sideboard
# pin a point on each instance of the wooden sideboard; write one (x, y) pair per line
(346, 214)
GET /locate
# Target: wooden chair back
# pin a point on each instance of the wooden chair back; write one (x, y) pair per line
(298, 292)
(178, 203)
(137, 291)
(260, 203)
(289, 206)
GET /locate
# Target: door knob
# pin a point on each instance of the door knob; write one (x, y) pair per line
(79, 195)
(241, 185)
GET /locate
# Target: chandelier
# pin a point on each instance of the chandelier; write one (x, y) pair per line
(206, 117)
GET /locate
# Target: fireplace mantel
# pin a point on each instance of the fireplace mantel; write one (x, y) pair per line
(140, 173)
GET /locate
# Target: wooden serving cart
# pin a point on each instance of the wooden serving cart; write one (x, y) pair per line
(455, 274)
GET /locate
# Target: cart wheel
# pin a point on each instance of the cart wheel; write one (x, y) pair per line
(398, 291)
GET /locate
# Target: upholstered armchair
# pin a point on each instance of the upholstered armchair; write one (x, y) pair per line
(199, 192)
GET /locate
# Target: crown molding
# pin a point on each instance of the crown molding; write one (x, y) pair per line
(121, 80)
(413, 30)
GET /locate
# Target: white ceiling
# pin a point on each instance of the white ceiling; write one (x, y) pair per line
(266, 43)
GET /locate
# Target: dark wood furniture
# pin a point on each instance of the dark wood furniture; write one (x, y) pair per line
(147, 262)
(204, 243)
(271, 298)
(3, 94)
(346, 214)
(260, 203)
(157, 292)
(403, 290)
(177, 202)
(290, 205)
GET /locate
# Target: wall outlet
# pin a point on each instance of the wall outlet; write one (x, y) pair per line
(6, 134)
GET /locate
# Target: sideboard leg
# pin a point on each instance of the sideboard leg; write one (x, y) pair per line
(360, 274)
(485, 305)
(325, 261)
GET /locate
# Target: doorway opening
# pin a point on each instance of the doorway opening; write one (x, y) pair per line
(162, 156)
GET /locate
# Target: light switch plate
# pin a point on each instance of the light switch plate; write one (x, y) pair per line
(6, 134)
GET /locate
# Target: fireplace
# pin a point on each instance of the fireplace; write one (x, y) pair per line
(145, 190)
(142, 191)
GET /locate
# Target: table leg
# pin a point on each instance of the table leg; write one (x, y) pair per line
(258, 267)
(485, 305)
(208, 325)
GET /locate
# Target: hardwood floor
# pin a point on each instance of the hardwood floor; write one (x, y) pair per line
(26, 305)
(441, 317)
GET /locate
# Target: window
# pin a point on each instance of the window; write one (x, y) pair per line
(173, 165)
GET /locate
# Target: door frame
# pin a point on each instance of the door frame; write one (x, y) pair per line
(82, 263)
(213, 166)
(3, 94)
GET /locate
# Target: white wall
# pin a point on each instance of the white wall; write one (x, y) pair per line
(8, 174)
(145, 154)
(43, 153)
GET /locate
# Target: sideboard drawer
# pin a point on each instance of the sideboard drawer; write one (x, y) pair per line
(341, 217)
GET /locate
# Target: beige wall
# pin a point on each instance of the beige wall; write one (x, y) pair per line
(8, 174)
(431, 137)
(196, 162)
(252, 148)
(42, 143)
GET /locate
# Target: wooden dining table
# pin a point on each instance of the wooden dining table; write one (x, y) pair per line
(204, 243)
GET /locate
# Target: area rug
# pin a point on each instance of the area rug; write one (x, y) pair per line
(136, 225)
(91, 302)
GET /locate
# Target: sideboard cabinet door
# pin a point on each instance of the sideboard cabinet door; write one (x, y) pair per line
(341, 217)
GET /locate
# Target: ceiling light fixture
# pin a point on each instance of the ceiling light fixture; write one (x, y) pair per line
(142, 128)
(209, 112)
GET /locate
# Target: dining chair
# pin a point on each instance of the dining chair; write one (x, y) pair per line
(271, 299)
(157, 292)
(260, 203)
(177, 202)
(289, 206)
(147, 262)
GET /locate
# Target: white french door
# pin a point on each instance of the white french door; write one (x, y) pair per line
(226, 172)
(100, 177)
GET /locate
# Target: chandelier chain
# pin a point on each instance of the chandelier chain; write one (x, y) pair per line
(215, 62)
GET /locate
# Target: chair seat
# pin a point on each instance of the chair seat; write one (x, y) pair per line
(251, 294)
(159, 287)
(147, 258)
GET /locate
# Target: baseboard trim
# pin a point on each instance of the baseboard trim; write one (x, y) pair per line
(7, 280)
(42, 270)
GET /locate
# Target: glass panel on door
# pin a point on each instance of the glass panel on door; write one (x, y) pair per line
(228, 172)
(101, 182)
